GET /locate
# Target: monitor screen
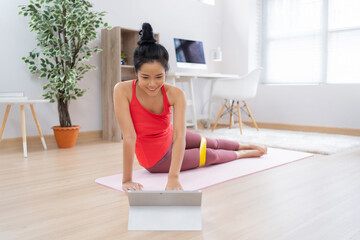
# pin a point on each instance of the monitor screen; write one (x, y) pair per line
(189, 53)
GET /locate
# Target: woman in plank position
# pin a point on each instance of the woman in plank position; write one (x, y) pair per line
(143, 110)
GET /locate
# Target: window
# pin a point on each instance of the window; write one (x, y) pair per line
(311, 41)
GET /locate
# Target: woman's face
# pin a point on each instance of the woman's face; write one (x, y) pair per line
(151, 77)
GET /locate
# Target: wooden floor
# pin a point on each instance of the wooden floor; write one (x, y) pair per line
(52, 195)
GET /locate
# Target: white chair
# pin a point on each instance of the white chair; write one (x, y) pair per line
(236, 90)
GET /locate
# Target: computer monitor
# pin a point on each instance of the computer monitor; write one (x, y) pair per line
(189, 54)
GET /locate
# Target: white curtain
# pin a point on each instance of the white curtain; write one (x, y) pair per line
(311, 41)
(344, 41)
(255, 34)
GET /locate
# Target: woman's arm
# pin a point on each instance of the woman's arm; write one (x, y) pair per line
(122, 112)
(179, 131)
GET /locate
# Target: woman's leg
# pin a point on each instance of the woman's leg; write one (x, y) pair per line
(193, 140)
(217, 151)
(163, 165)
(213, 156)
(192, 159)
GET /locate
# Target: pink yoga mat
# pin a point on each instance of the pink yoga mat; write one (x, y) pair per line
(203, 177)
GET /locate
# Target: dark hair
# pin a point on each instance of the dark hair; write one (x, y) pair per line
(148, 50)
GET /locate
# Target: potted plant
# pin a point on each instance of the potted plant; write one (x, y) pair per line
(123, 58)
(64, 30)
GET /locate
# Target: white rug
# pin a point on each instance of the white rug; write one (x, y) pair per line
(320, 143)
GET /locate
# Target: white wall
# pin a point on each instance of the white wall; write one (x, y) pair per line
(328, 105)
(235, 36)
(226, 25)
(176, 18)
(235, 40)
(312, 105)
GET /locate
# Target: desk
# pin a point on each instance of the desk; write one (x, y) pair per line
(174, 77)
(22, 102)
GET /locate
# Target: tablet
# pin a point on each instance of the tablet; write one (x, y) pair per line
(165, 210)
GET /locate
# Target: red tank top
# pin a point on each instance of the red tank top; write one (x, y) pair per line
(153, 131)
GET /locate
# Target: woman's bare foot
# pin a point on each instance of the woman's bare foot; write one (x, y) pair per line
(260, 147)
(248, 153)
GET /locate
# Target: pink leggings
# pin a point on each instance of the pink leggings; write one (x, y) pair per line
(217, 151)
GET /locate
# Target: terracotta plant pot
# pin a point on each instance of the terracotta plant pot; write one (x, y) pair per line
(66, 136)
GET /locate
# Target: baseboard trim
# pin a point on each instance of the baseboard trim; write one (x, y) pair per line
(83, 137)
(97, 135)
(292, 127)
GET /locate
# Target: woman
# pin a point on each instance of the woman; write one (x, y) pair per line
(143, 110)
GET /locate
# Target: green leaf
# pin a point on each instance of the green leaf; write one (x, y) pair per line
(31, 7)
(46, 21)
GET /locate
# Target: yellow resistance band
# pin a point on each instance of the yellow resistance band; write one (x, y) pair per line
(202, 151)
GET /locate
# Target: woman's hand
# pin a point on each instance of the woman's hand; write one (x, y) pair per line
(126, 186)
(173, 184)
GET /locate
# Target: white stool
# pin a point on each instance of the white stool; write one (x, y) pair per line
(18, 98)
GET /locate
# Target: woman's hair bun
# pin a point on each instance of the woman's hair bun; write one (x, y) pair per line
(146, 35)
(148, 50)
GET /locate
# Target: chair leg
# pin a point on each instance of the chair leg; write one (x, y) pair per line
(239, 115)
(4, 121)
(252, 118)
(217, 120)
(193, 109)
(231, 113)
(23, 126)
(38, 126)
